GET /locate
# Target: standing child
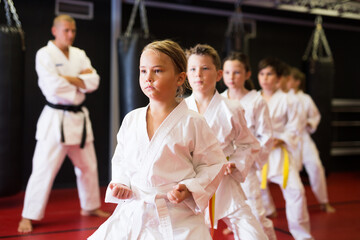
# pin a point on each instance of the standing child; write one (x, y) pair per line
(281, 168)
(167, 163)
(309, 154)
(236, 73)
(226, 119)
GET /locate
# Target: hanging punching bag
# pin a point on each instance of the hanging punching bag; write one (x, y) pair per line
(318, 65)
(235, 38)
(130, 46)
(11, 102)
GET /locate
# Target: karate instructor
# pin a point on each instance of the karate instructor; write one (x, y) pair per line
(64, 128)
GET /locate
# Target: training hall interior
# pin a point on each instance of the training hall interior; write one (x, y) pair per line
(319, 37)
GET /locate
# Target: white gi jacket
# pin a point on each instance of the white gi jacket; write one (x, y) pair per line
(285, 122)
(226, 118)
(182, 150)
(51, 63)
(311, 112)
(259, 122)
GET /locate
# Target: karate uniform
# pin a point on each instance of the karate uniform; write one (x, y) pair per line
(285, 123)
(258, 121)
(309, 154)
(183, 150)
(50, 152)
(226, 119)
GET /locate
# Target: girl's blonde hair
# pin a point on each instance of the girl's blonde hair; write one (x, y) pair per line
(176, 54)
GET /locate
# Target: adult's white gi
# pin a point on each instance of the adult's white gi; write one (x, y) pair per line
(183, 150)
(285, 123)
(226, 118)
(258, 121)
(50, 152)
(310, 157)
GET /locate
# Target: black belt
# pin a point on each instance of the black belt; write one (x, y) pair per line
(71, 108)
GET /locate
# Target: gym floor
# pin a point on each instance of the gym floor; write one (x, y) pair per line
(63, 221)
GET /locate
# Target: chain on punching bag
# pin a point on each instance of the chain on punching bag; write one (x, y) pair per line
(319, 69)
(130, 46)
(11, 100)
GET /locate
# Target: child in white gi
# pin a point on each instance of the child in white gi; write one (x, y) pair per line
(281, 168)
(309, 154)
(167, 163)
(64, 128)
(236, 76)
(226, 119)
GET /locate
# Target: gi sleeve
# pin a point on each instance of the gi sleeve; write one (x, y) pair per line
(293, 124)
(209, 166)
(263, 132)
(313, 115)
(52, 85)
(118, 166)
(246, 146)
(91, 80)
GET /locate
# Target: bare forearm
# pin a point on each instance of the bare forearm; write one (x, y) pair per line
(78, 82)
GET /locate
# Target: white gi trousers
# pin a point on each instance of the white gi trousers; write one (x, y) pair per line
(48, 157)
(252, 190)
(314, 168)
(297, 214)
(244, 224)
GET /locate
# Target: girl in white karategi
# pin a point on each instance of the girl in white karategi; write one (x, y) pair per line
(280, 168)
(309, 156)
(64, 128)
(226, 119)
(167, 163)
(236, 76)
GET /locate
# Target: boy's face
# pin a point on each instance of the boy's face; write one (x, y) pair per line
(202, 74)
(268, 79)
(235, 74)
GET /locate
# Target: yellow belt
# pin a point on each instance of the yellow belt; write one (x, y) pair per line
(285, 170)
(212, 215)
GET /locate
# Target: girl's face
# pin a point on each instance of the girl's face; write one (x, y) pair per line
(235, 74)
(158, 79)
(268, 79)
(202, 74)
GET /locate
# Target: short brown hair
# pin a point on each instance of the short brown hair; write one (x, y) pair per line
(205, 50)
(273, 62)
(299, 76)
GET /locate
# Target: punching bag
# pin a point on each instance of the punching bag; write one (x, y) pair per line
(235, 38)
(318, 65)
(130, 46)
(11, 102)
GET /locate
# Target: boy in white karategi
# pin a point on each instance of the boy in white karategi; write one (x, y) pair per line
(309, 155)
(280, 168)
(167, 163)
(236, 76)
(226, 119)
(64, 128)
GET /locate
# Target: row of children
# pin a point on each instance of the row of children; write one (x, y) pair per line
(182, 165)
